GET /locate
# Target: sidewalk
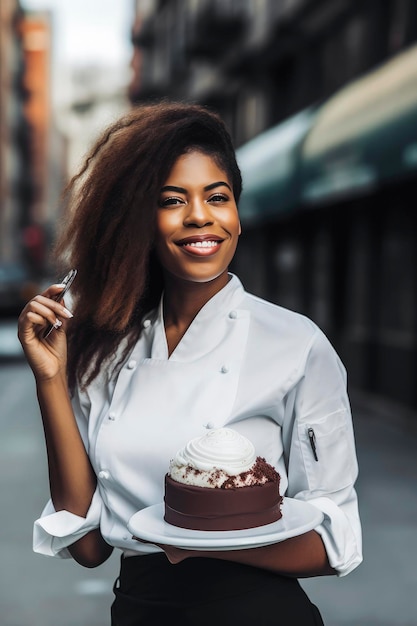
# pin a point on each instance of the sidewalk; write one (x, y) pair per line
(382, 591)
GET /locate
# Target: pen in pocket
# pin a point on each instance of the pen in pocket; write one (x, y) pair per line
(312, 437)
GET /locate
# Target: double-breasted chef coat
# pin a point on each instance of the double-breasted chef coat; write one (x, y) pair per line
(244, 363)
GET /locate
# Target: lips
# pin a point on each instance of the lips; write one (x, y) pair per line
(198, 238)
(200, 245)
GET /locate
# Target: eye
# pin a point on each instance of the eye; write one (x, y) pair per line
(218, 197)
(171, 201)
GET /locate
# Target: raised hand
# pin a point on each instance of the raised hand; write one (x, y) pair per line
(46, 356)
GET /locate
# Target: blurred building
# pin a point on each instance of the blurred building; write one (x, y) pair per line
(16, 181)
(29, 145)
(36, 36)
(259, 61)
(36, 43)
(90, 97)
(49, 117)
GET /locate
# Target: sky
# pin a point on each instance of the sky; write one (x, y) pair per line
(88, 31)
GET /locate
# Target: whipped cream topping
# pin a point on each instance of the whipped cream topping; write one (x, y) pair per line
(209, 461)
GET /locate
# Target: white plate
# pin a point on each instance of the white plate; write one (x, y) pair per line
(297, 518)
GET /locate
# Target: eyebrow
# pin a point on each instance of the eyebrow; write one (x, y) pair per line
(219, 183)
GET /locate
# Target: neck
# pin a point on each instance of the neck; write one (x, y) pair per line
(183, 299)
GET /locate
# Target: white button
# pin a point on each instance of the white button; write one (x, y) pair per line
(146, 323)
(210, 425)
(125, 537)
(132, 364)
(104, 474)
(112, 416)
(224, 369)
(233, 315)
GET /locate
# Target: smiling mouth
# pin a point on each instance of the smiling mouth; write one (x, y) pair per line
(200, 247)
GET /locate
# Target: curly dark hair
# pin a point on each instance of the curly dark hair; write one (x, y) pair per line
(110, 220)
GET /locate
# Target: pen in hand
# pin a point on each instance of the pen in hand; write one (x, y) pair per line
(67, 281)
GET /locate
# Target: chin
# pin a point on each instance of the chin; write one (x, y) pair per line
(198, 277)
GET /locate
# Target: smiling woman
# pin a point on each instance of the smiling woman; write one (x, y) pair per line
(165, 343)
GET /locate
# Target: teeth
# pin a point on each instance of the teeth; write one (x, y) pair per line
(203, 244)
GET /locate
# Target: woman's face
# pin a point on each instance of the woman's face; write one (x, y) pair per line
(197, 220)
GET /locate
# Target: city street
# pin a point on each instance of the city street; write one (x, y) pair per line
(40, 591)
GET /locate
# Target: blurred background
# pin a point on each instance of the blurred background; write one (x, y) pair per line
(321, 100)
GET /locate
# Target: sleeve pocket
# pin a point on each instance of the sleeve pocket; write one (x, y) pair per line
(326, 450)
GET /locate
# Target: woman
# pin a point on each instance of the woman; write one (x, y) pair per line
(162, 340)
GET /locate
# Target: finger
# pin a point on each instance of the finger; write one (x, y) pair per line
(48, 313)
(36, 324)
(53, 290)
(57, 307)
(39, 318)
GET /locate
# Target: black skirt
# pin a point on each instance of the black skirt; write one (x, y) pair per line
(207, 592)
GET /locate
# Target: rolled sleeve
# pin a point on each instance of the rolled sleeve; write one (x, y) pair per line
(54, 531)
(341, 534)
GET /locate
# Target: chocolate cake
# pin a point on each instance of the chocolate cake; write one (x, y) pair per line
(216, 482)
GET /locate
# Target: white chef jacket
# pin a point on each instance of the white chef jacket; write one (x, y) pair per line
(244, 363)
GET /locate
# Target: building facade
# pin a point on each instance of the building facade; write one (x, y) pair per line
(259, 61)
(16, 182)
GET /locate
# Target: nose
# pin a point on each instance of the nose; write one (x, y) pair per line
(198, 214)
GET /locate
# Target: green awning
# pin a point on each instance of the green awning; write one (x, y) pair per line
(269, 164)
(365, 135)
